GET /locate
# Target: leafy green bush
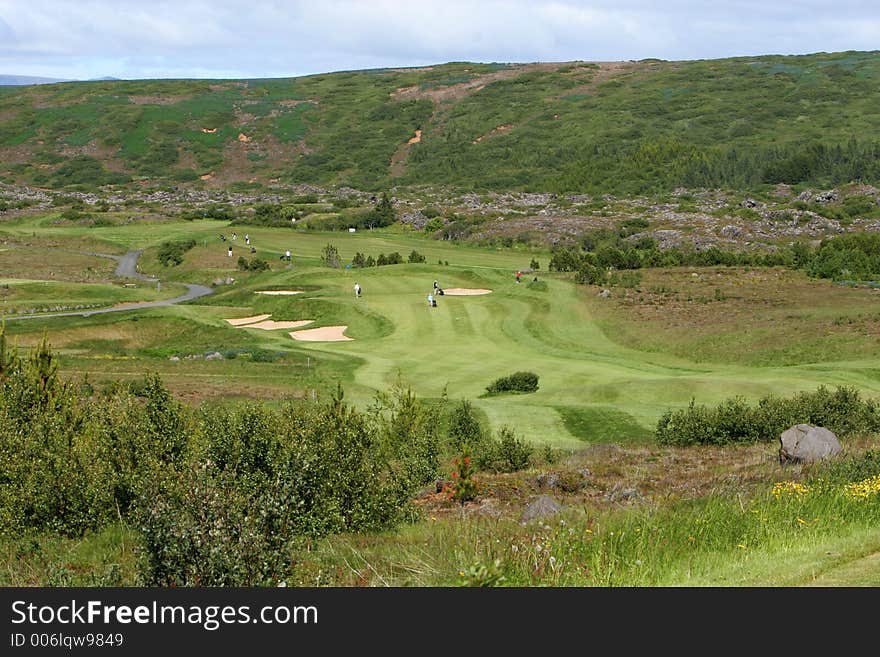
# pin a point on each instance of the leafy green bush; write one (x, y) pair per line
(513, 454)
(265, 480)
(330, 256)
(842, 411)
(171, 254)
(70, 463)
(464, 428)
(516, 382)
(415, 256)
(255, 264)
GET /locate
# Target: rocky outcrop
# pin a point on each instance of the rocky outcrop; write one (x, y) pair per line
(804, 443)
(542, 506)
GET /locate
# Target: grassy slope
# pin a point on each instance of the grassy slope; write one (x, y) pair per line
(499, 126)
(592, 387)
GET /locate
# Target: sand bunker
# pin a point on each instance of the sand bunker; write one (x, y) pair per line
(464, 291)
(271, 325)
(323, 334)
(279, 293)
(248, 320)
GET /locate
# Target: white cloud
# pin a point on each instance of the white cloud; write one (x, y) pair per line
(233, 38)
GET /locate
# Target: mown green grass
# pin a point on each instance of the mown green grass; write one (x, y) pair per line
(592, 386)
(19, 295)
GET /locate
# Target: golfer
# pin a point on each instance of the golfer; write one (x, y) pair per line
(357, 290)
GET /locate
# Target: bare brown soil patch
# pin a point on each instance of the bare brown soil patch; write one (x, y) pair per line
(157, 100)
(294, 103)
(500, 130)
(607, 71)
(398, 159)
(443, 93)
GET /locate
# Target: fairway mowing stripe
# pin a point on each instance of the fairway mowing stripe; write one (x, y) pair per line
(424, 329)
(460, 321)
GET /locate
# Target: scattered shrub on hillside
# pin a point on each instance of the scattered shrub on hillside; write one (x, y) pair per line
(69, 462)
(510, 453)
(464, 427)
(359, 260)
(842, 411)
(255, 264)
(534, 264)
(433, 225)
(267, 479)
(220, 497)
(330, 256)
(516, 382)
(171, 254)
(415, 256)
(390, 259)
(381, 215)
(464, 486)
(853, 256)
(219, 211)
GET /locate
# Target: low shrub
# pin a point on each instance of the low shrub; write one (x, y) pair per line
(516, 382)
(506, 454)
(255, 264)
(171, 253)
(842, 411)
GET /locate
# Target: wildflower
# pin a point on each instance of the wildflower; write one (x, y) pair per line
(741, 545)
(801, 521)
(789, 489)
(588, 531)
(864, 489)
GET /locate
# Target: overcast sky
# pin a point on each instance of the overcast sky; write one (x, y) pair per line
(81, 39)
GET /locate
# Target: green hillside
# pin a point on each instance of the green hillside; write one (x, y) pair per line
(619, 127)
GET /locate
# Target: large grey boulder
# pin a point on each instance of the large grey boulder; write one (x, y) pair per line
(804, 443)
(542, 507)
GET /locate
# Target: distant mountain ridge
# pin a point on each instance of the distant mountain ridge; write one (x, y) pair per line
(623, 128)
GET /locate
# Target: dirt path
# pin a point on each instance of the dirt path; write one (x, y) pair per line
(127, 268)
